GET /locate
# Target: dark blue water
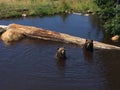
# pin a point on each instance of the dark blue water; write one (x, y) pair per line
(30, 64)
(76, 25)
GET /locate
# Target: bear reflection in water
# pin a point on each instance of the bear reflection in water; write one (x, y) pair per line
(88, 50)
(60, 57)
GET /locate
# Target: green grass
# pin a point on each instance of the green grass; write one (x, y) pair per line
(11, 8)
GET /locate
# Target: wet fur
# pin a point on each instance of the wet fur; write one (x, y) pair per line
(60, 54)
(88, 46)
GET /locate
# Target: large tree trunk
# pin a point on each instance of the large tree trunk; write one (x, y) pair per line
(55, 36)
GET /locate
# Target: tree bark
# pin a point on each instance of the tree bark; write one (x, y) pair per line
(55, 36)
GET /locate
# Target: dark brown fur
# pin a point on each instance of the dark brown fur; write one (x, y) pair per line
(60, 54)
(88, 46)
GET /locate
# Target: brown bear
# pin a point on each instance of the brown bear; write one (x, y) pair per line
(88, 46)
(60, 54)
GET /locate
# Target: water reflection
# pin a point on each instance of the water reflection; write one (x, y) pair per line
(64, 17)
(95, 21)
(88, 56)
(61, 63)
(110, 60)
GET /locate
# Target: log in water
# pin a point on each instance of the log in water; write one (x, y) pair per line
(3, 28)
(40, 33)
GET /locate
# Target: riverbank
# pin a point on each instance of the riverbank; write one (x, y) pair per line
(110, 15)
(18, 8)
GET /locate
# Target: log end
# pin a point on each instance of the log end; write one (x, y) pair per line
(10, 36)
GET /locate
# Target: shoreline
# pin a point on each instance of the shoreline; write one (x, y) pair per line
(64, 13)
(16, 8)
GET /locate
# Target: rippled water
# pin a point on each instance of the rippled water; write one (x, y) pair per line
(30, 64)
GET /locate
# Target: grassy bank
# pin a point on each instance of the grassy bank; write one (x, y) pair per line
(15, 8)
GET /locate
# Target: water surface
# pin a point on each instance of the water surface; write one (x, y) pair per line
(30, 64)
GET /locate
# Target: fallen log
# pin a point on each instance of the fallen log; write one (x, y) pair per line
(40, 33)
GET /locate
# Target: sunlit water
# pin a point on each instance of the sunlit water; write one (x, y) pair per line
(30, 64)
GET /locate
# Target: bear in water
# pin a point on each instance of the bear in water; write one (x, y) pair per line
(88, 46)
(60, 54)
